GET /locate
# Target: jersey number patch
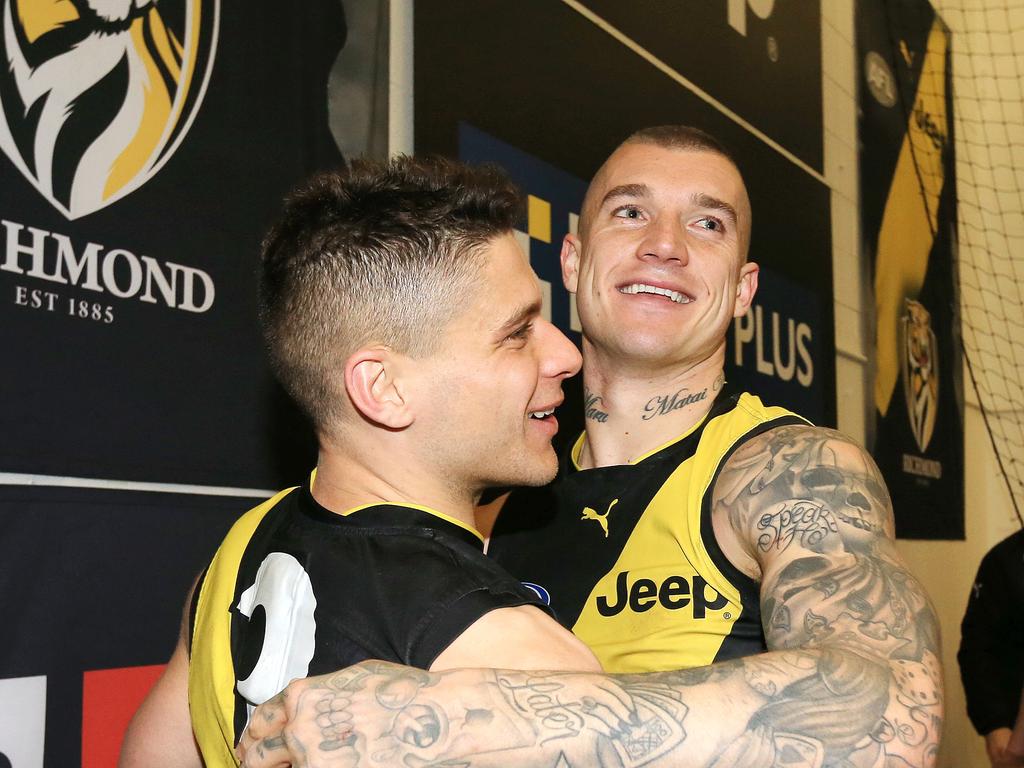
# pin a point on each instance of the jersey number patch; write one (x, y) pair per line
(281, 599)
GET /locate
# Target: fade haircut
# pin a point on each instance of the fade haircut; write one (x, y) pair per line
(381, 253)
(684, 137)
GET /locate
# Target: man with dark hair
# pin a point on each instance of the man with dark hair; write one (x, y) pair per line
(740, 557)
(403, 317)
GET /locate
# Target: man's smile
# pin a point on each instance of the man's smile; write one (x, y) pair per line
(645, 288)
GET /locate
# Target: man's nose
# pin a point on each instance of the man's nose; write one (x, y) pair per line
(665, 240)
(561, 358)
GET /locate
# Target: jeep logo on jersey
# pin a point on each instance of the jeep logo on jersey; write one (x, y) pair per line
(673, 593)
(96, 95)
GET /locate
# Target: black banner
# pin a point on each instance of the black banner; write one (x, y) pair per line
(496, 81)
(725, 47)
(144, 149)
(143, 158)
(92, 588)
(908, 225)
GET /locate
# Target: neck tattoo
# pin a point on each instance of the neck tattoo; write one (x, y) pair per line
(594, 407)
(662, 404)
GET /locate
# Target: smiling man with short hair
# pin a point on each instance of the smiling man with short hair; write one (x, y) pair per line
(401, 314)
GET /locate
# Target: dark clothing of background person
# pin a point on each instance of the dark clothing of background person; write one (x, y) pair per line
(991, 652)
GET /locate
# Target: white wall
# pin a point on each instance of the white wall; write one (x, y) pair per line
(947, 568)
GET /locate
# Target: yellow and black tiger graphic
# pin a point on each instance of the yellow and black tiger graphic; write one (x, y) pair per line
(95, 95)
(920, 371)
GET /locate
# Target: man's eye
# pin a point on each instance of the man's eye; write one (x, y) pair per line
(520, 334)
(711, 224)
(628, 212)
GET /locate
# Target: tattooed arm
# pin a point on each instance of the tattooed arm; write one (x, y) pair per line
(813, 521)
(852, 677)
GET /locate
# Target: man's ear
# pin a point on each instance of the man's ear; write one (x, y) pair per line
(373, 380)
(570, 256)
(746, 288)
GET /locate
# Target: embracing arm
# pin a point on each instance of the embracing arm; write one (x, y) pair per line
(852, 677)
(160, 733)
(522, 637)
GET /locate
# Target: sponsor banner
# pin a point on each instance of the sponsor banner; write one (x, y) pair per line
(561, 110)
(22, 721)
(908, 225)
(93, 590)
(553, 208)
(109, 699)
(774, 43)
(778, 350)
(145, 149)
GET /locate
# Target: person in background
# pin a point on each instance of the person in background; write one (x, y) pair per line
(991, 654)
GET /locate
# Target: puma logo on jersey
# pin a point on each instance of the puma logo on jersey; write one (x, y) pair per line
(593, 514)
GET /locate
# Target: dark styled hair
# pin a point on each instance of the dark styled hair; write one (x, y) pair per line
(383, 252)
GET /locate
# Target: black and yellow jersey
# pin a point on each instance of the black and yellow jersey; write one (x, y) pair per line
(297, 590)
(627, 557)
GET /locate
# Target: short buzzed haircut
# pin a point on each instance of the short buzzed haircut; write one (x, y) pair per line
(383, 252)
(684, 137)
(679, 137)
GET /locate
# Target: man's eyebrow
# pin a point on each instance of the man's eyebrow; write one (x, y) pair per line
(518, 317)
(705, 200)
(626, 190)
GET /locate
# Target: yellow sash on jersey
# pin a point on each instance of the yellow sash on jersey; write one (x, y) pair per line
(211, 674)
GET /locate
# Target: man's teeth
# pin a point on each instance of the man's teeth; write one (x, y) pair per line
(676, 296)
(541, 414)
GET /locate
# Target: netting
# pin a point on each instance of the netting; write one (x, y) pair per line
(988, 86)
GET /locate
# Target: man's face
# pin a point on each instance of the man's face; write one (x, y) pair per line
(658, 267)
(496, 378)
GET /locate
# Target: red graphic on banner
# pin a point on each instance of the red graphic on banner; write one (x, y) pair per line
(109, 699)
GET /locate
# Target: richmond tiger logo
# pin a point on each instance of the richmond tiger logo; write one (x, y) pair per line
(919, 361)
(96, 95)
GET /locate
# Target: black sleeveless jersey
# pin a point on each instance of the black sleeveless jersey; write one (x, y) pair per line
(297, 590)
